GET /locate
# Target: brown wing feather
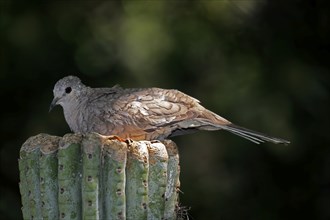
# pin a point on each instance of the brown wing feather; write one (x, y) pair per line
(153, 112)
(157, 107)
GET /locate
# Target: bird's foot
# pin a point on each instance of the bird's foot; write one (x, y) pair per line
(115, 137)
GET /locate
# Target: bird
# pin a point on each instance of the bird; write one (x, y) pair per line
(140, 113)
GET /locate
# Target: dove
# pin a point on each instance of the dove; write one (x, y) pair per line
(140, 113)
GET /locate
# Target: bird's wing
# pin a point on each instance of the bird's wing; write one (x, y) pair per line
(153, 108)
(141, 111)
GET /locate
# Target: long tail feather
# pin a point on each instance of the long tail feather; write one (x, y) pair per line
(254, 136)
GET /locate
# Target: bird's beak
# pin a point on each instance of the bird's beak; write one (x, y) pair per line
(53, 104)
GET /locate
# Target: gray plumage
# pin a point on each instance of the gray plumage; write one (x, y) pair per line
(140, 114)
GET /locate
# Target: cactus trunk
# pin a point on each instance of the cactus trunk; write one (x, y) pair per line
(69, 177)
(98, 177)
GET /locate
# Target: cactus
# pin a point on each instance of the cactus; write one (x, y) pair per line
(173, 182)
(98, 177)
(69, 177)
(114, 179)
(48, 164)
(158, 159)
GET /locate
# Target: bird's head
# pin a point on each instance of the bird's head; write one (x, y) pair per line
(66, 91)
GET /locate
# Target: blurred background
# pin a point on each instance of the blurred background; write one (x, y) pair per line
(261, 64)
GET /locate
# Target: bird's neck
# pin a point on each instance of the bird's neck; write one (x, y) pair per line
(73, 114)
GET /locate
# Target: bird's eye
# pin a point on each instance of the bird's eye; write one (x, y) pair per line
(68, 90)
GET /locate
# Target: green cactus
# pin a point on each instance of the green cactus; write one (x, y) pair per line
(98, 177)
(114, 179)
(137, 169)
(48, 164)
(69, 177)
(158, 159)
